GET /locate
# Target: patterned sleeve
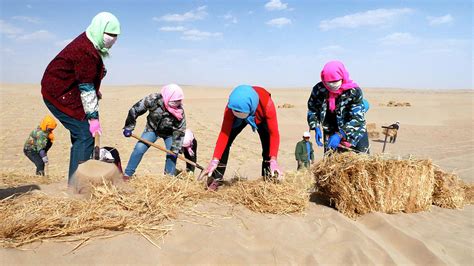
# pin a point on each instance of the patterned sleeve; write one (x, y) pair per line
(90, 101)
(314, 108)
(355, 127)
(139, 108)
(40, 140)
(178, 136)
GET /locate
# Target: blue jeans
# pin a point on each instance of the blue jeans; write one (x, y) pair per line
(81, 139)
(141, 148)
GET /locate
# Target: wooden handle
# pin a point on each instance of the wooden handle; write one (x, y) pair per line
(167, 151)
(97, 140)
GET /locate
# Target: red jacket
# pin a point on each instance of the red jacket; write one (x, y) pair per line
(79, 62)
(265, 112)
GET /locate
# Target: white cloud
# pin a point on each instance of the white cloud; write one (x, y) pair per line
(231, 18)
(177, 28)
(8, 29)
(275, 5)
(7, 51)
(398, 38)
(197, 35)
(376, 17)
(63, 43)
(33, 20)
(446, 19)
(196, 14)
(278, 22)
(41, 35)
(332, 49)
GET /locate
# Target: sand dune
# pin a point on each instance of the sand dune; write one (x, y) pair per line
(430, 128)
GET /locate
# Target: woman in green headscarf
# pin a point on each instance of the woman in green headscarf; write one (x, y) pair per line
(71, 82)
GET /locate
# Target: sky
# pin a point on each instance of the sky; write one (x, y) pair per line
(421, 44)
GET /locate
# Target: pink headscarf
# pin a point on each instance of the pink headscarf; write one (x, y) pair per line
(333, 71)
(173, 92)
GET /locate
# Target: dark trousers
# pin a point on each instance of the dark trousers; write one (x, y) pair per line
(190, 167)
(81, 138)
(36, 158)
(264, 140)
(393, 139)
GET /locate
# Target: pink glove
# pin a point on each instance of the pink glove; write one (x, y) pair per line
(346, 143)
(210, 169)
(274, 167)
(94, 127)
(190, 151)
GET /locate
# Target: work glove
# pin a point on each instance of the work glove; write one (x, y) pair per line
(127, 132)
(45, 159)
(210, 169)
(94, 127)
(318, 136)
(275, 168)
(334, 141)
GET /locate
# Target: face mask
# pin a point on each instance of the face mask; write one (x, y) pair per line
(334, 86)
(109, 41)
(174, 103)
(240, 115)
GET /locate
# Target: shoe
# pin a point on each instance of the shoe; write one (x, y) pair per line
(126, 178)
(213, 184)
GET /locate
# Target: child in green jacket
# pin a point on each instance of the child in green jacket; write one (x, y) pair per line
(39, 142)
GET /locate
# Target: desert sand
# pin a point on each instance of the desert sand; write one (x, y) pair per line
(438, 125)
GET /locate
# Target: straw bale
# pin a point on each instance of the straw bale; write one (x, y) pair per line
(289, 196)
(468, 193)
(391, 132)
(448, 190)
(358, 184)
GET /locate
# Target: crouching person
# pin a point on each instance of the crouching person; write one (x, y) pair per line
(165, 120)
(39, 142)
(336, 104)
(247, 105)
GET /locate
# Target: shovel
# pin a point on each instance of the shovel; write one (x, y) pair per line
(181, 157)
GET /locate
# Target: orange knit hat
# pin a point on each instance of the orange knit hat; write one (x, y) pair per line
(48, 122)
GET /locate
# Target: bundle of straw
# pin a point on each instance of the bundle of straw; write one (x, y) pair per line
(36, 216)
(15, 178)
(288, 196)
(448, 190)
(358, 184)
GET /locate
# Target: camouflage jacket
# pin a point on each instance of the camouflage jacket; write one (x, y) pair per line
(350, 114)
(159, 120)
(37, 140)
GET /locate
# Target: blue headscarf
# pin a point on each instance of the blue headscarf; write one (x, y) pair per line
(244, 99)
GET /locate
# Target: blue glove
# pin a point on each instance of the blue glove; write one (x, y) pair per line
(366, 105)
(334, 141)
(42, 153)
(318, 137)
(127, 132)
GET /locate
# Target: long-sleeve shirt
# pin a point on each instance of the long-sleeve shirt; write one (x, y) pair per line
(302, 153)
(349, 114)
(265, 112)
(159, 120)
(73, 78)
(37, 140)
